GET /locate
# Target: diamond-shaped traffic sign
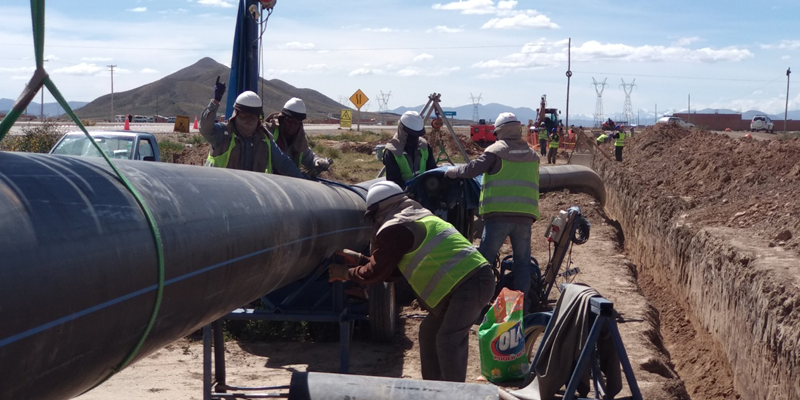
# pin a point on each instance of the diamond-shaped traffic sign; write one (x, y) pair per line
(359, 99)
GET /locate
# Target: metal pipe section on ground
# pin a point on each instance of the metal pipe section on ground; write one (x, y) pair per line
(78, 267)
(576, 178)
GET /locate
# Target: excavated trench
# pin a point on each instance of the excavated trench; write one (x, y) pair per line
(729, 302)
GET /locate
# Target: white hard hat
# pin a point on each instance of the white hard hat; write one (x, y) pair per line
(382, 191)
(413, 121)
(505, 118)
(248, 102)
(296, 108)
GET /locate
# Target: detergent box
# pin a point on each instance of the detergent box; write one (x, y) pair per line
(501, 338)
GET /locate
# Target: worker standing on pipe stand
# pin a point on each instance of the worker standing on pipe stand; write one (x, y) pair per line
(449, 276)
(409, 154)
(509, 200)
(243, 143)
(619, 142)
(288, 133)
(555, 137)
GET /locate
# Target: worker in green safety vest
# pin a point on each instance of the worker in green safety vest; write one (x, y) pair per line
(449, 276)
(543, 139)
(509, 200)
(619, 142)
(242, 143)
(552, 154)
(407, 154)
(602, 138)
(288, 133)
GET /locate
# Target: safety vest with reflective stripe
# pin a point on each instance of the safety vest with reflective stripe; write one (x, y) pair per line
(542, 134)
(620, 142)
(405, 167)
(515, 188)
(221, 161)
(275, 138)
(602, 138)
(440, 262)
(554, 141)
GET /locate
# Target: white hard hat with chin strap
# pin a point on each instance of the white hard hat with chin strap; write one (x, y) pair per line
(505, 118)
(412, 123)
(382, 191)
(296, 108)
(249, 102)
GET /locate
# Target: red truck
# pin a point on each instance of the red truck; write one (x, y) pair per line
(482, 133)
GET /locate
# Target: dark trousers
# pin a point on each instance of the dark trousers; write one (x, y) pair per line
(551, 155)
(618, 153)
(543, 145)
(444, 333)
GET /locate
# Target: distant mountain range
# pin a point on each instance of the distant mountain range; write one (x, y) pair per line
(50, 109)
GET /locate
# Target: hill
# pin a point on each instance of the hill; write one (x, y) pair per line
(187, 92)
(50, 109)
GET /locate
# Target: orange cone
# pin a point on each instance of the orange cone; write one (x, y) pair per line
(195, 123)
(127, 124)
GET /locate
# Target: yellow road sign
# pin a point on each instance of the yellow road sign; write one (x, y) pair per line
(181, 124)
(359, 99)
(346, 120)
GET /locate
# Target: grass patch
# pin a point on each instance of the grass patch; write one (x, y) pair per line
(788, 135)
(169, 149)
(352, 168)
(354, 136)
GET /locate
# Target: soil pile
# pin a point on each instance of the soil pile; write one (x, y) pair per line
(437, 137)
(194, 155)
(736, 183)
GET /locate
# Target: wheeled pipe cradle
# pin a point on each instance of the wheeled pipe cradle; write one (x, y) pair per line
(78, 270)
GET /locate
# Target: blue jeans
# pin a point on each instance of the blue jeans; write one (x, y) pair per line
(494, 234)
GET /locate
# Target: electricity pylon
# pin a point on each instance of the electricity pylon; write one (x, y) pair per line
(383, 101)
(475, 102)
(627, 109)
(598, 107)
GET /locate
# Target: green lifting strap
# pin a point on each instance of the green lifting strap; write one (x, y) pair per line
(40, 79)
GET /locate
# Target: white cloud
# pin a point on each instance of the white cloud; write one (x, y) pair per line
(298, 45)
(215, 3)
(783, 44)
(361, 71)
(52, 57)
(506, 5)
(521, 21)
(593, 50)
(176, 11)
(80, 69)
(316, 66)
(445, 29)
(323, 51)
(18, 70)
(137, 9)
(379, 30)
(148, 71)
(786, 57)
(408, 72)
(488, 76)
(423, 57)
(96, 59)
(685, 41)
(20, 78)
(468, 6)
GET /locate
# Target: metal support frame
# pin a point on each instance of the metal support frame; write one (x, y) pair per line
(604, 317)
(215, 386)
(433, 106)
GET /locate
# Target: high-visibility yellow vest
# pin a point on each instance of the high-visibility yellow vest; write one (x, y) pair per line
(554, 141)
(441, 261)
(405, 167)
(602, 138)
(221, 161)
(542, 134)
(515, 188)
(620, 142)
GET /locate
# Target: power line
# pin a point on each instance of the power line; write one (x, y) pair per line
(676, 77)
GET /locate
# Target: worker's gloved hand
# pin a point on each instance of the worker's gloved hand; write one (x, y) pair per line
(450, 173)
(338, 272)
(323, 164)
(347, 257)
(219, 90)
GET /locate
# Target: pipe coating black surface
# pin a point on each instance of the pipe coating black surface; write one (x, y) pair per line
(78, 270)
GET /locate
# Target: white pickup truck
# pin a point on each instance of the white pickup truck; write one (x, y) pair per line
(117, 144)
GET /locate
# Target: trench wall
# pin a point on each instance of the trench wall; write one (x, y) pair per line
(745, 294)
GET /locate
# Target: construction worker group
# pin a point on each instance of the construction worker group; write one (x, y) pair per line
(450, 277)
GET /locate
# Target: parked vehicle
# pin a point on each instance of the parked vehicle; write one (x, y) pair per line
(125, 145)
(762, 122)
(482, 133)
(667, 119)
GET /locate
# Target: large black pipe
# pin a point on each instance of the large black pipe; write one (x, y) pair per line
(573, 177)
(78, 268)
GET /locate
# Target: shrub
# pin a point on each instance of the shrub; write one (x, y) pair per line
(168, 149)
(35, 138)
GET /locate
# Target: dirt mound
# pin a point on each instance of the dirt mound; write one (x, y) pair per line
(195, 155)
(737, 183)
(437, 137)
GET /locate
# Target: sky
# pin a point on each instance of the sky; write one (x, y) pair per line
(722, 54)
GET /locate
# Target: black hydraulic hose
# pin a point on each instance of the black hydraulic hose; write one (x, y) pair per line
(76, 290)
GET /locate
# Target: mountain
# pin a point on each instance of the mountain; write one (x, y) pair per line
(188, 91)
(50, 109)
(485, 111)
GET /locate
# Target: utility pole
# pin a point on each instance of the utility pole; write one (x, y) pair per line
(786, 110)
(41, 115)
(689, 112)
(111, 67)
(569, 76)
